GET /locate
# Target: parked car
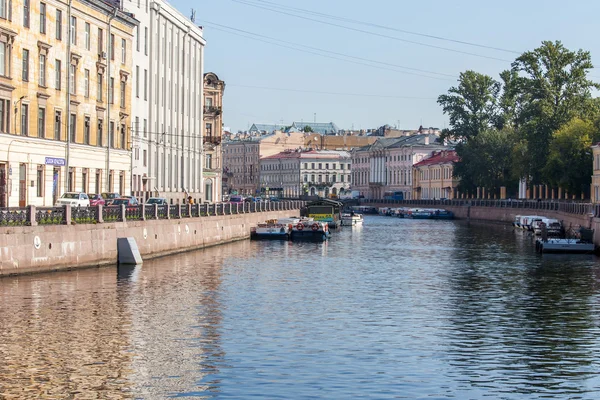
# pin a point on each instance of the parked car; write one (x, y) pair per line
(236, 199)
(73, 199)
(96, 200)
(156, 200)
(124, 200)
(133, 199)
(109, 197)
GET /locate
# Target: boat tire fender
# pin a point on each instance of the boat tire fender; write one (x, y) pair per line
(300, 226)
(315, 227)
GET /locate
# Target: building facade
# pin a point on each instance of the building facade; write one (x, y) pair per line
(65, 93)
(212, 137)
(386, 166)
(168, 103)
(241, 159)
(433, 176)
(317, 173)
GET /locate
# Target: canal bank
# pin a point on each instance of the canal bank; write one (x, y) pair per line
(43, 248)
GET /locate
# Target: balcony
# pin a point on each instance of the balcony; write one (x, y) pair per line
(212, 110)
(214, 140)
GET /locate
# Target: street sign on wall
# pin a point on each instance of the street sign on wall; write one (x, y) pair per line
(56, 161)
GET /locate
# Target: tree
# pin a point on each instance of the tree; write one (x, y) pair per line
(486, 160)
(569, 164)
(307, 129)
(550, 87)
(472, 107)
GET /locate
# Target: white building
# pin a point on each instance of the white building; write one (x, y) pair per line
(322, 173)
(167, 112)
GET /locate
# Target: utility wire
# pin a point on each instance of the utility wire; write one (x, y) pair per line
(354, 21)
(369, 32)
(324, 55)
(329, 51)
(332, 93)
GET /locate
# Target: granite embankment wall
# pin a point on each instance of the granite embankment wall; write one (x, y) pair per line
(31, 249)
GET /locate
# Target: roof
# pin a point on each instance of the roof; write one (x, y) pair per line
(329, 154)
(441, 157)
(403, 141)
(317, 127)
(266, 127)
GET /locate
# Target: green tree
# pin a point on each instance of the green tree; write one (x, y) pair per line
(569, 164)
(550, 87)
(307, 129)
(472, 106)
(486, 161)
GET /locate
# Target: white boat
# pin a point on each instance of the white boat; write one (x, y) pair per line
(553, 226)
(564, 246)
(525, 221)
(352, 219)
(272, 229)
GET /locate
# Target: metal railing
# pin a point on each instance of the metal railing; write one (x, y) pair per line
(67, 215)
(569, 207)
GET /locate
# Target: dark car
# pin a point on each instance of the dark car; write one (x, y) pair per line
(109, 197)
(133, 200)
(96, 200)
(124, 200)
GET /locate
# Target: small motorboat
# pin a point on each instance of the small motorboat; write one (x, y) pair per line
(352, 219)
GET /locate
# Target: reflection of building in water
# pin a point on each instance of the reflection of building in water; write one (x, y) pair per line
(64, 334)
(176, 317)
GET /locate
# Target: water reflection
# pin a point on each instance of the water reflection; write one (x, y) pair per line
(395, 308)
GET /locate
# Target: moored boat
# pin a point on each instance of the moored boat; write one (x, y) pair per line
(556, 245)
(272, 230)
(309, 229)
(429, 213)
(352, 219)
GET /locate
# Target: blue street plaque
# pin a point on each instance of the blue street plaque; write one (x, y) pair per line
(55, 161)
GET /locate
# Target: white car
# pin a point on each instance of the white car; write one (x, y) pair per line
(73, 199)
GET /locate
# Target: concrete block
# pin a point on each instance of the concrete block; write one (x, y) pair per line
(128, 252)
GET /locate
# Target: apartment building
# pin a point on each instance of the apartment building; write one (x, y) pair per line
(212, 137)
(167, 118)
(433, 176)
(325, 173)
(386, 166)
(65, 93)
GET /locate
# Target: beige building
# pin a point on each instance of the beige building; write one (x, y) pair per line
(433, 176)
(241, 159)
(337, 142)
(64, 73)
(212, 137)
(595, 189)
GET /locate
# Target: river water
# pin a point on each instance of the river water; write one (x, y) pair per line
(394, 309)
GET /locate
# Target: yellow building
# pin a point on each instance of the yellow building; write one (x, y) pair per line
(212, 137)
(433, 176)
(64, 72)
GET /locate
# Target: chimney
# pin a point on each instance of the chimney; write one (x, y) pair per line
(426, 140)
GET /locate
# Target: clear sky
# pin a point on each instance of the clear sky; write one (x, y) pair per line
(354, 78)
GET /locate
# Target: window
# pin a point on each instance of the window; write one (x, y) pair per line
(41, 122)
(145, 127)
(3, 8)
(208, 161)
(42, 70)
(57, 124)
(25, 74)
(57, 74)
(111, 47)
(86, 83)
(70, 179)
(312, 167)
(137, 81)
(145, 84)
(43, 18)
(208, 129)
(145, 158)
(24, 119)
(111, 91)
(99, 94)
(59, 24)
(326, 165)
(26, 9)
(72, 77)
(84, 180)
(5, 116)
(111, 134)
(87, 35)
(40, 181)
(3, 57)
(86, 130)
(73, 127)
(100, 41)
(73, 30)
(123, 51)
(146, 41)
(123, 132)
(122, 94)
(99, 133)
(341, 166)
